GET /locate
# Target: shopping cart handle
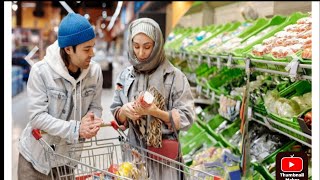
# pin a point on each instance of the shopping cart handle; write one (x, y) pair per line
(115, 125)
(36, 134)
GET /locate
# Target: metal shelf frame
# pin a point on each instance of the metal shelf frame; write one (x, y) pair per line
(267, 121)
(219, 61)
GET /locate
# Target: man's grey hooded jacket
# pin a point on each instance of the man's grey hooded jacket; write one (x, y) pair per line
(57, 102)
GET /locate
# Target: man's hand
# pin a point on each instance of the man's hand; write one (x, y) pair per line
(90, 125)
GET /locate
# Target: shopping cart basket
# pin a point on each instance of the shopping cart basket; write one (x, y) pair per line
(113, 158)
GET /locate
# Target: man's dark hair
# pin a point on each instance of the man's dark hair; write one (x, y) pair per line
(65, 56)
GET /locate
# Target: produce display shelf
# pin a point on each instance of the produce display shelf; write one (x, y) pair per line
(267, 124)
(266, 62)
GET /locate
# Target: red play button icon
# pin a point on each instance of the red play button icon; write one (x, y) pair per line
(291, 164)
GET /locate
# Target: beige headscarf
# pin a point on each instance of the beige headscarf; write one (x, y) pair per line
(157, 55)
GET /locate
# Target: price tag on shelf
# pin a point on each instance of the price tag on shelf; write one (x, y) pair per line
(199, 59)
(218, 62)
(247, 65)
(249, 112)
(267, 122)
(208, 93)
(238, 105)
(229, 60)
(199, 89)
(209, 61)
(213, 96)
(198, 110)
(294, 68)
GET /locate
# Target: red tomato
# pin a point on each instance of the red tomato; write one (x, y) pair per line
(308, 119)
(113, 168)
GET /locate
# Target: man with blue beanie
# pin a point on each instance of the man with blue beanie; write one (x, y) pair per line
(64, 91)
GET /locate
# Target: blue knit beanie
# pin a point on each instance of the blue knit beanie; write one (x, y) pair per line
(74, 29)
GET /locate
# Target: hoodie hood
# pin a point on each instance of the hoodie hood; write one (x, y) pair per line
(55, 61)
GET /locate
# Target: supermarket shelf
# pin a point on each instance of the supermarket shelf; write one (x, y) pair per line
(203, 101)
(205, 97)
(220, 61)
(266, 123)
(267, 120)
(305, 77)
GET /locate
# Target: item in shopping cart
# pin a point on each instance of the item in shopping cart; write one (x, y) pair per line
(136, 156)
(128, 169)
(113, 168)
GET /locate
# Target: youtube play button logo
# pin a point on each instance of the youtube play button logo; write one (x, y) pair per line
(292, 166)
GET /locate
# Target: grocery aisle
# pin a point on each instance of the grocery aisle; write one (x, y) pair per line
(19, 114)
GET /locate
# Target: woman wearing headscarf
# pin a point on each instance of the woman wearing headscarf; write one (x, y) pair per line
(151, 71)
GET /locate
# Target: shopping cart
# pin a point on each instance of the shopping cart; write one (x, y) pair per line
(113, 158)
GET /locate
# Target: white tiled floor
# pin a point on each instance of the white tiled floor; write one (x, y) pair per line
(19, 114)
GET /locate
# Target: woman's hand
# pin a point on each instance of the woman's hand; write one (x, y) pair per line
(146, 110)
(129, 111)
(176, 119)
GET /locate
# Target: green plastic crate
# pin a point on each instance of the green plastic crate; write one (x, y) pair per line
(275, 21)
(194, 130)
(263, 171)
(298, 88)
(251, 30)
(202, 139)
(201, 47)
(215, 122)
(228, 133)
(272, 157)
(248, 50)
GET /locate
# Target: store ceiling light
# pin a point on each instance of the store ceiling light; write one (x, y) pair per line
(115, 15)
(104, 14)
(103, 25)
(87, 16)
(66, 7)
(14, 7)
(56, 28)
(28, 4)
